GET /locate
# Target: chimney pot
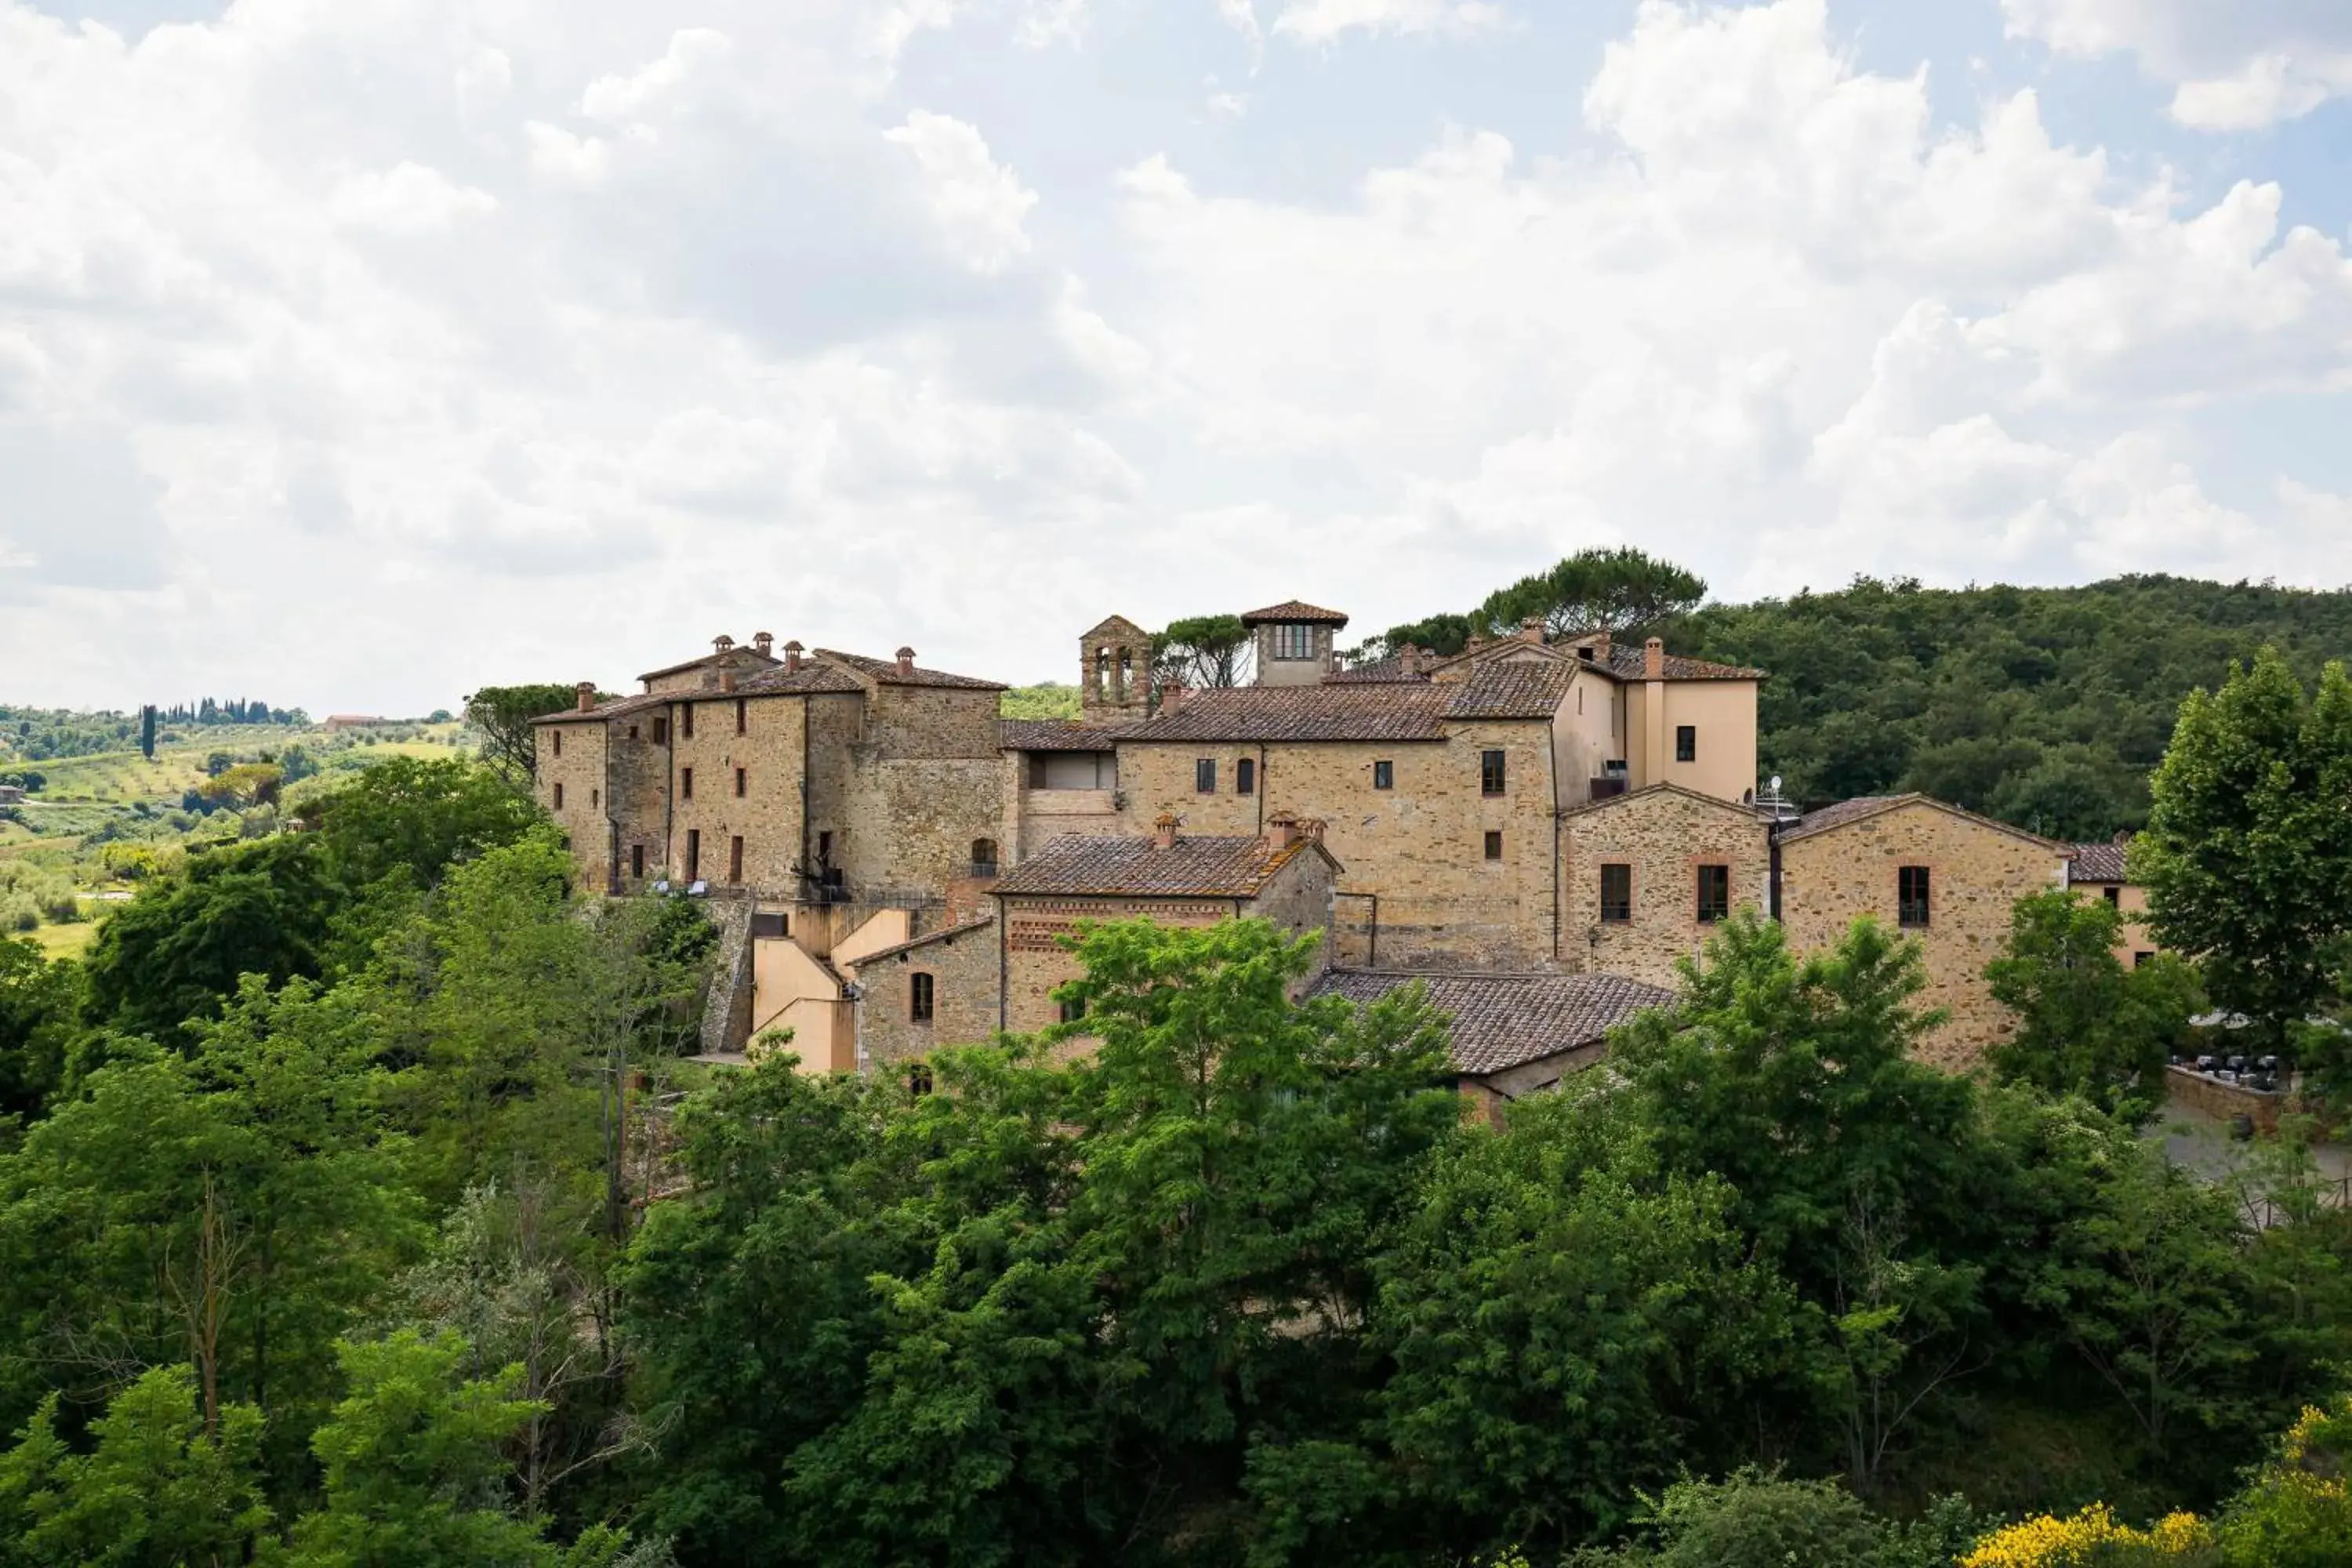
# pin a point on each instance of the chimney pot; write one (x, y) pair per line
(793, 658)
(587, 691)
(905, 661)
(762, 642)
(1653, 658)
(1532, 629)
(1282, 829)
(1173, 695)
(721, 643)
(1164, 831)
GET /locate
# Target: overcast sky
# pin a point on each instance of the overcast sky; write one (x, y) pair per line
(356, 352)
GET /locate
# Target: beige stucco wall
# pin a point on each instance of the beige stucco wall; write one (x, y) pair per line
(2132, 900)
(963, 970)
(1586, 735)
(792, 990)
(1976, 873)
(1664, 836)
(1418, 848)
(1723, 713)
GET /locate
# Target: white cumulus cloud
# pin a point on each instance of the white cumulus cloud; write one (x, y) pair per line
(2233, 67)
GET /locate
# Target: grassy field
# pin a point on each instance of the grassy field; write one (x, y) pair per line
(65, 941)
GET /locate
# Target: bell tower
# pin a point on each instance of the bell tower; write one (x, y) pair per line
(1115, 672)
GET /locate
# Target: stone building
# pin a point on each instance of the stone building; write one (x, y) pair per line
(1924, 869)
(2098, 871)
(1651, 874)
(1512, 1035)
(1292, 641)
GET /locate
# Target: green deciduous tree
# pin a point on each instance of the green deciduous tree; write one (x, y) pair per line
(502, 715)
(2085, 1024)
(163, 1486)
(2248, 852)
(40, 1004)
(1622, 592)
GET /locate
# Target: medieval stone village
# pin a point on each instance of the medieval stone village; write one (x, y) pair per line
(1536, 829)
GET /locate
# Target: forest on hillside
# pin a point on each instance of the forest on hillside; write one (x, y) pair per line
(2042, 706)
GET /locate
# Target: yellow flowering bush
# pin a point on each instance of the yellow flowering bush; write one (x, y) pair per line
(2094, 1538)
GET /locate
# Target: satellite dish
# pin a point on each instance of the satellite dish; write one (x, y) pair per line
(1776, 784)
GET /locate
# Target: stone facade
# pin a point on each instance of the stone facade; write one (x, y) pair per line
(1661, 834)
(572, 786)
(962, 963)
(736, 778)
(1840, 865)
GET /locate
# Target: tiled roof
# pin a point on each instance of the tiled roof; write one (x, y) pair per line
(1193, 866)
(947, 933)
(1629, 664)
(1511, 690)
(886, 671)
(1612, 802)
(1293, 612)
(1057, 735)
(1389, 671)
(2098, 863)
(1359, 711)
(1869, 806)
(1503, 1021)
(618, 708)
(815, 677)
(1304, 713)
(745, 651)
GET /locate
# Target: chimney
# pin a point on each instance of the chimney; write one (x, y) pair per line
(1600, 646)
(1164, 831)
(1653, 660)
(793, 658)
(1532, 629)
(1409, 659)
(905, 661)
(587, 690)
(1282, 829)
(762, 642)
(1172, 694)
(721, 643)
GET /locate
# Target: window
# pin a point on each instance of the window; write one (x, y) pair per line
(2115, 897)
(1204, 777)
(919, 1079)
(1294, 642)
(1071, 1012)
(633, 732)
(1714, 893)
(1245, 776)
(743, 714)
(661, 731)
(559, 740)
(637, 861)
(825, 845)
(1685, 742)
(1494, 845)
(693, 854)
(686, 721)
(983, 856)
(559, 796)
(919, 997)
(595, 799)
(686, 783)
(1384, 775)
(1911, 896)
(739, 784)
(1490, 773)
(1616, 894)
(735, 858)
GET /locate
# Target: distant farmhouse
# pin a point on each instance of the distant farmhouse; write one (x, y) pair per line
(1538, 830)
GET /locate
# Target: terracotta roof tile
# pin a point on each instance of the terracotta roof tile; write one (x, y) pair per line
(1304, 713)
(1293, 612)
(1389, 671)
(947, 933)
(2098, 863)
(1503, 1021)
(1628, 664)
(885, 670)
(619, 707)
(742, 651)
(1193, 866)
(815, 677)
(1869, 806)
(1057, 735)
(1511, 690)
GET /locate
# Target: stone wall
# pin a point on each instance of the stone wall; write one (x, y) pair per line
(912, 824)
(1665, 836)
(1418, 848)
(636, 777)
(727, 1005)
(1035, 929)
(1976, 871)
(769, 749)
(571, 763)
(962, 965)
